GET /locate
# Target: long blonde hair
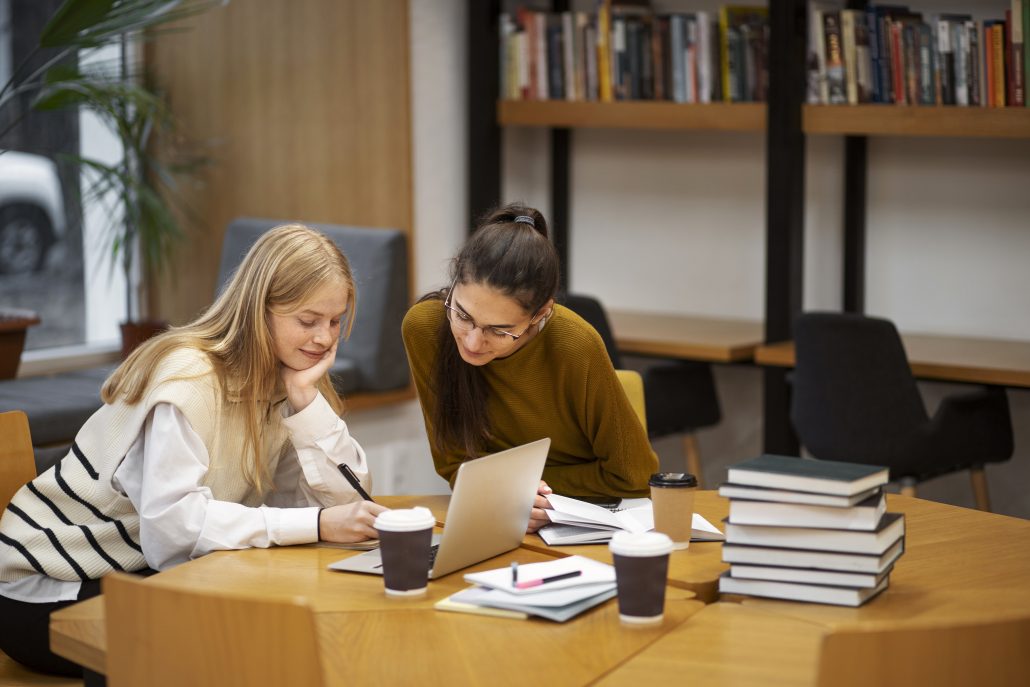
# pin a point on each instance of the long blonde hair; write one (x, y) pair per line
(284, 268)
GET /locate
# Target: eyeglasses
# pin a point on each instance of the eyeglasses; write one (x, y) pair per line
(462, 322)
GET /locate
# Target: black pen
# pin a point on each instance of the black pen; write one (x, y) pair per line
(544, 580)
(353, 479)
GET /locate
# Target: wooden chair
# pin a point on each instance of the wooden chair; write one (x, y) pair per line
(159, 635)
(681, 397)
(962, 653)
(633, 385)
(17, 464)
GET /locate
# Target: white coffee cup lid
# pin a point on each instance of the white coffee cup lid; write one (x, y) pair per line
(405, 519)
(640, 544)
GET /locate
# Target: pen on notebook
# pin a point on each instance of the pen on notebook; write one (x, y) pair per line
(353, 479)
(544, 580)
(514, 573)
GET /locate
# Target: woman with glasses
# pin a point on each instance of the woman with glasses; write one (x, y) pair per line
(497, 363)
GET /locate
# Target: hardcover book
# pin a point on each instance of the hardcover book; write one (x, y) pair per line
(891, 528)
(833, 578)
(800, 474)
(865, 515)
(750, 493)
(838, 596)
(818, 560)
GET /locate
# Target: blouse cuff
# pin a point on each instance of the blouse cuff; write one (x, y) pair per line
(290, 526)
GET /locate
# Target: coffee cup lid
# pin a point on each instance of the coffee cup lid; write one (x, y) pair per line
(672, 479)
(640, 544)
(405, 519)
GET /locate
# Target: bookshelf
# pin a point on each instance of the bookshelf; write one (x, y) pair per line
(786, 120)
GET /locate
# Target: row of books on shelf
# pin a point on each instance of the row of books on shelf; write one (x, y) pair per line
(809, 530)
(890, 54)
(625, 51)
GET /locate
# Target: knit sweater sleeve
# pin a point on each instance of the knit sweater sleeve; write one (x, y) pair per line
(623, 457)
(420, 329)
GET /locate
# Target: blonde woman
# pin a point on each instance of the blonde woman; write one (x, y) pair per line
(222, 434)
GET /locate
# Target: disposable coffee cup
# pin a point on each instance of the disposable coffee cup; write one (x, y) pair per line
(405, 537)
(672, 496)
(641, 571)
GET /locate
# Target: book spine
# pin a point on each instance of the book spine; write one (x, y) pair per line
(998, 59)
(659, 46)
(690, 60)
(707, 46)
(1026, 53)
(725, 52)
(590, 59)
(647, 59)
(604, 74)
(946, 67)
(555, 60)
(848, 21)
(960, 48)
(676, 37)
(1018, 78)
(973, 63)
(897, 64)
(875, 87)
(835, 79)
(568, 43)
(927, 80)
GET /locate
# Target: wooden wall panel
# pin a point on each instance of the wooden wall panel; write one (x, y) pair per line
(306, 106)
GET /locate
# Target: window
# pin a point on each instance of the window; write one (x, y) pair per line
(53, 259)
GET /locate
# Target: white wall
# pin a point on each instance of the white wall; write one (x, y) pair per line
(675, 222)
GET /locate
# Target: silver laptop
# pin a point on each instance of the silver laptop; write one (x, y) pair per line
(488, 513)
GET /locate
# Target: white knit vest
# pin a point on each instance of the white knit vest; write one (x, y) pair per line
(71, 523)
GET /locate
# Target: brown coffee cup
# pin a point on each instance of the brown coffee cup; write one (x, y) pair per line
(405, 538)
(672, 497)
(641, 571)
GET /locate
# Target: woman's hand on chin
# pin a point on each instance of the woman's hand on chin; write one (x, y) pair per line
(300, 384)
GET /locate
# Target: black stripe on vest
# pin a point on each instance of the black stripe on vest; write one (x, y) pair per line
(85, 463)
(93, 509)
(85, 530)
(53, 540)
(20, 548)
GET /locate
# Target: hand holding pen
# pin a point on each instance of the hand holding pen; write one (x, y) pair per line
(351, 522)
(354, 481)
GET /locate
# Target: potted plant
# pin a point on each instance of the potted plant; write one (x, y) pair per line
(139, 191)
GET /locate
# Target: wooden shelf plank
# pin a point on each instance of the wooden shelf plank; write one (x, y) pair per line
(638, 114)
(901, 120)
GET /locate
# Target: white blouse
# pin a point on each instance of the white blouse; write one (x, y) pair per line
(180, 520)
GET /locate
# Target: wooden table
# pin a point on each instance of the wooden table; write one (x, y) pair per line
(959, 564)
(697, 569)
(688, 337)
(947, 358)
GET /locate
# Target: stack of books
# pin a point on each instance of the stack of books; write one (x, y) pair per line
(809, 530)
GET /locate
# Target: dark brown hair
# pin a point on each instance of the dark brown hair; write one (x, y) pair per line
(515, 258)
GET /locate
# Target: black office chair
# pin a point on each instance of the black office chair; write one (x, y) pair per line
(855, 400)
(679, 396)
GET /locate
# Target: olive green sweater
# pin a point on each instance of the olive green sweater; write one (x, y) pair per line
(559, 385)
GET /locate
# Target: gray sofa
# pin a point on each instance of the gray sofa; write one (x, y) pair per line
(371, 360)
